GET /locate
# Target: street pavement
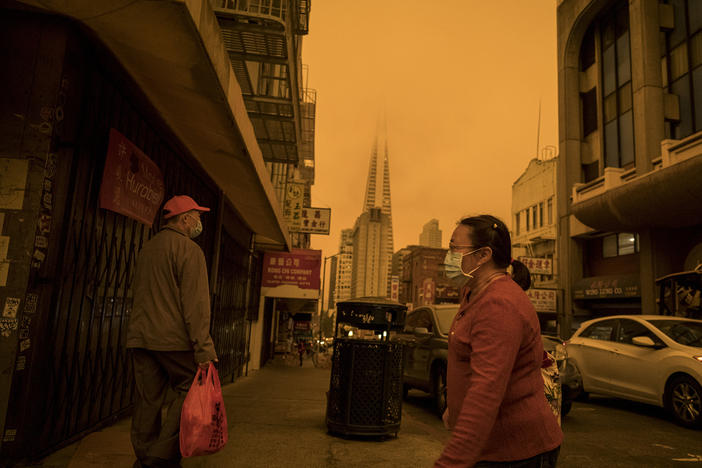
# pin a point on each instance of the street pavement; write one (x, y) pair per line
(276, 418)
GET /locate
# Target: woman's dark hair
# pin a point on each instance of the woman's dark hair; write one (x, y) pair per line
(489, 231)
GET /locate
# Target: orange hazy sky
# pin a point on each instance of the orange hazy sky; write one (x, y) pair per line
(459, 83)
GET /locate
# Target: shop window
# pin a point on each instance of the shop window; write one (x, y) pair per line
(533, 217)
(612, 30)
(623, 243)
(591, 171)
(549, 209)
(516, 223)
(681, 66)
(541, 214)
(526, 218)
(588, 103)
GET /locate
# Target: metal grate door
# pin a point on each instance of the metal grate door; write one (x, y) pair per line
(228, 325)
(87, 379)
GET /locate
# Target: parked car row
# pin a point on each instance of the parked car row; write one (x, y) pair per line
(425, 341)
(652, 359)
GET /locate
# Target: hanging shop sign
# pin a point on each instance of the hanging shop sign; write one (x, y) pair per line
(544, 300)
(300, 268)
(292, 206)
(315, 220)
(132, 183)
(538, 266)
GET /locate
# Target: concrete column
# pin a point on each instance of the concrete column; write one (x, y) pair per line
(647, 273)
(649, 128)
(646, 82)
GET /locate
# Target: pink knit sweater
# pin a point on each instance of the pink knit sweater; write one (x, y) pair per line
(496, 403)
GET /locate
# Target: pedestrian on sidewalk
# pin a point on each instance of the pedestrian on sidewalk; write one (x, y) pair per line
(168, 331)
(496, 407)
(300, 349)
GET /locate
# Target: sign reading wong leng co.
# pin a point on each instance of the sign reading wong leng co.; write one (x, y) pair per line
(132, 183)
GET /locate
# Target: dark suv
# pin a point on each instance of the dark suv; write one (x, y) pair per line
(425, 341)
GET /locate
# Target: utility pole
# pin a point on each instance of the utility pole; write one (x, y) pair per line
(321, 295)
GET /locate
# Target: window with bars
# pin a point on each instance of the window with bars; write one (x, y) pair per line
(681, 66)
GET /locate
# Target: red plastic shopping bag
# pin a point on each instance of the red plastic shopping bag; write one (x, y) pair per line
(203, 420)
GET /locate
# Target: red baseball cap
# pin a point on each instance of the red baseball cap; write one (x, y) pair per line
(180, 204)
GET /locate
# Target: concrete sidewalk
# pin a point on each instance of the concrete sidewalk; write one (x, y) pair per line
(276, 418)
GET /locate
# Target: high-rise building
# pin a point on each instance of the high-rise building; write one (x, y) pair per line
(372, 233)
(371, 261)
(431, 234)
(342, 282)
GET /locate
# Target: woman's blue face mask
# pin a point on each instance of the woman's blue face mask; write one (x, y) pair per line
(453, 264)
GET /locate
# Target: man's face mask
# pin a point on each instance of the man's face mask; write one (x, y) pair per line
(197, 230)
(453, 265)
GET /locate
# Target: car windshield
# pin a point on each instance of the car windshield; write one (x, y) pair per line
(445, 315)
(681, 331)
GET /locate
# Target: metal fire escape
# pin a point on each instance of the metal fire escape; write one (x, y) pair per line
(263, 39)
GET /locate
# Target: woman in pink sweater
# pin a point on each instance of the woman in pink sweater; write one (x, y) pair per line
(496, 406)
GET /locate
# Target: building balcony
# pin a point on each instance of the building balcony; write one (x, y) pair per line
(666, 197)
(535, 236)
(262, 40)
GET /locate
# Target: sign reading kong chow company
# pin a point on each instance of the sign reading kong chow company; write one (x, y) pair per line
(299, 267)
(132, 183)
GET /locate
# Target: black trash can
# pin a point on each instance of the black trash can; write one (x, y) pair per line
(365, 390)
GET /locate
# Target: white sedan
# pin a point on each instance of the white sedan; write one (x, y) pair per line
(653, 359)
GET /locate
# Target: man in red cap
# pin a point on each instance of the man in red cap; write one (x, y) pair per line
(169, 330)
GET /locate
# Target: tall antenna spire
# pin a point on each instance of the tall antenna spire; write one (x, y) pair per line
(538, 131)
(369, 201)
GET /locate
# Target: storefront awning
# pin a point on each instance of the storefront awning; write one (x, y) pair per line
(607, 287)
(174, 52)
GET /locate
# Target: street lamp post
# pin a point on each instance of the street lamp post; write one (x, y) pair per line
(321, 296)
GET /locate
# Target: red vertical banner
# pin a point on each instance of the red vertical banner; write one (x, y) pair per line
(132, 183)
(429, 290)
(300, 268)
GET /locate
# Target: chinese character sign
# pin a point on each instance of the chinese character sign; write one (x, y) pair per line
(395, 288)
(538, 266)
(292, 207)
(544, 300)
(132, 183)
(315, 220)
(300, 268)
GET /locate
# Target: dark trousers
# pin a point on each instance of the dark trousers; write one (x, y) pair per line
(156, 441)
(544, 460)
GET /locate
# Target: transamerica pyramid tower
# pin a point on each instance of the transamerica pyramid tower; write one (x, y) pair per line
(372, 233)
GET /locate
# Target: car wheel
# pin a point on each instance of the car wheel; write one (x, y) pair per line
(438, 388)
(684, 401)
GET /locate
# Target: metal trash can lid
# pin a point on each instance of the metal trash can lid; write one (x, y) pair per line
(371, 313)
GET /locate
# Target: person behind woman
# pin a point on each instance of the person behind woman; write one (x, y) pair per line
(496, 408)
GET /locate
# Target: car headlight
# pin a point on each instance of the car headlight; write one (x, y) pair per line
(698, 358)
